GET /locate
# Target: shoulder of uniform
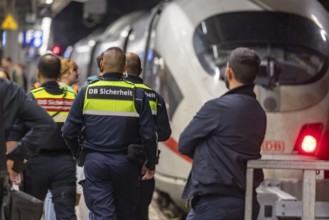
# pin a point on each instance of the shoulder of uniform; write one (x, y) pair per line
(128, 82)
(67, 88)
(37, 90)
(71, 92)
(93, 81)
(144, 86)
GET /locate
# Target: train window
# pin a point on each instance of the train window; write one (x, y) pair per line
(293, 49)
(158, 76)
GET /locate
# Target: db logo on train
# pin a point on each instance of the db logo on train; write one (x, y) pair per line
(272, 146)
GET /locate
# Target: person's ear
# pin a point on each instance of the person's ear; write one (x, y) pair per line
(101, 65)
(230, 73)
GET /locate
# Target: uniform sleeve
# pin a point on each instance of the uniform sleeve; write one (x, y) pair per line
(147, 130)
(202, 125)
(72, 127)
(40, 126)
(162, 121)
(19, 129)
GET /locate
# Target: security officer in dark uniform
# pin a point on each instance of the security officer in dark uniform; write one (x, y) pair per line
(54, 168)
(15, 105)
(115, 115)
(161, 120)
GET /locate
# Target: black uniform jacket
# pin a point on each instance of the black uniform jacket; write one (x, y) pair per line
(111, 133)
(225, 133)
(17, 106)
(161, 118)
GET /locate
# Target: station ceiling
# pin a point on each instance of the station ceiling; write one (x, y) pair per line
(29, 11)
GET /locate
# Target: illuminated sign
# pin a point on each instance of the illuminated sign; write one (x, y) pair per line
(32, 38)
(56, 50)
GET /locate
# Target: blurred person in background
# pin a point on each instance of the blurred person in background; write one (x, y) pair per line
(20, 75)
(69, 74)
(7, 65)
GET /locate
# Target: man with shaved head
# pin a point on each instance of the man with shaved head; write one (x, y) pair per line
(159, 111)
(118, 129)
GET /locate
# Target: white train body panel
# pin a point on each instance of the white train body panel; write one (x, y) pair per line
(170, 46)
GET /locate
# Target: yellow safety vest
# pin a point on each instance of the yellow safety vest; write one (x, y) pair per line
(57, 106)
(110, 98)
(153, 101)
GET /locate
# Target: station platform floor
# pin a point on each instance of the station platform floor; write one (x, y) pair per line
(154, 211)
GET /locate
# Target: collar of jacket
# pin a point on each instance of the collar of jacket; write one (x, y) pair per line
(52, 87)
(113, 76)
(134, 79)
(247, 89)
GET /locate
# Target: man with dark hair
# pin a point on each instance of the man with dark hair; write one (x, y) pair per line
(117, 121)
(54, 168)
(159, 111)
(49, 66)
(225, 133)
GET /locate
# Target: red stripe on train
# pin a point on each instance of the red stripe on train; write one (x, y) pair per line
(173, 145)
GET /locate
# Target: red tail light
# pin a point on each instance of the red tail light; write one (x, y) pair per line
(308, 139)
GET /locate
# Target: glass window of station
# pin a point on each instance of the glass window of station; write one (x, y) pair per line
(293, 49)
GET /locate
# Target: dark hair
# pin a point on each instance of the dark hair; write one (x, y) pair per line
(49, 65)
(245, 64)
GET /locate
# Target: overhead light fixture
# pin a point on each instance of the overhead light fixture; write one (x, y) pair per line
(48, 2)
(45, 27)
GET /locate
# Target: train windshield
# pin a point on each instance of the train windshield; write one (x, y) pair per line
(293, 49)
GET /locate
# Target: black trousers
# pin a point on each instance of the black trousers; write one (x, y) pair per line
(144, 198)
(57, 173)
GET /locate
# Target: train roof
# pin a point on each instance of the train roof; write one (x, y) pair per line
(200, 11)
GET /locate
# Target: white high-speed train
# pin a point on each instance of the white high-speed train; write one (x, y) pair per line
(184, 46)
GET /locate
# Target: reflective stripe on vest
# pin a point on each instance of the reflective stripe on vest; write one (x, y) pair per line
(153, 101)
(57, 106)
(110, 98)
